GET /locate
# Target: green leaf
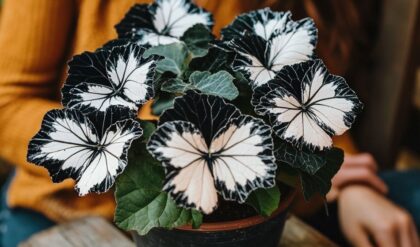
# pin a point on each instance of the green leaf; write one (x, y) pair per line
(265, 201)
(219, 84)
(197, 219)
(148, 129)
(197, 39)
(141, 203)
(176, 85)
(162, 103)
(215, 60)
(169, 65)
(175, 57)
(304, 160)
(287, 175)
(197, 76)
(320, 182)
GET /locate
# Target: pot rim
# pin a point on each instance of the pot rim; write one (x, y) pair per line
(241, 223)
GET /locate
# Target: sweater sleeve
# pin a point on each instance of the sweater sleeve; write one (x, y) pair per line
(34, 38)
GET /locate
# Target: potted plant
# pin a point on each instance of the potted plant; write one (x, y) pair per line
(240, 122)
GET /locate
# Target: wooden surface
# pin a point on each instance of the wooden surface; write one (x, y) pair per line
(96, 231)
(85, 232)
(299, 234)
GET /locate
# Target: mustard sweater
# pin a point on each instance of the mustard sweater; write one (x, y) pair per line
(37, 37)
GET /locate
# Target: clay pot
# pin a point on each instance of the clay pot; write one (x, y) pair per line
(256, 231)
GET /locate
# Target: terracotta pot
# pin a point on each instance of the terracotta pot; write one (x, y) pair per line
(249, 232)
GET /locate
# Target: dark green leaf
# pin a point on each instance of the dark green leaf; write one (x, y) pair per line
(175, 57)
(197, 39)
(265, 201)
(219, 84)
(320, 182)
(197, 219)
(215, 60)
(148, 129)
(304, 160)
(141, 204)
(287, 175)
(162, 103)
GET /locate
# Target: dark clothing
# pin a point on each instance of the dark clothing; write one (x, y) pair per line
(18, 224)
(404, 190)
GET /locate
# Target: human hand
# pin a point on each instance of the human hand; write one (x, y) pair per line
(366, 215)
(357, 169)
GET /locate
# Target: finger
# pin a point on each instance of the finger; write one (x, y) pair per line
(414, 237)
(359, 175)
(359, 238)
(332, 195)
(358, 160)
(405, 239)
(386, 236)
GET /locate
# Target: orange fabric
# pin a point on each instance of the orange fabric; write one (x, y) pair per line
(36, 40)
(346, 143)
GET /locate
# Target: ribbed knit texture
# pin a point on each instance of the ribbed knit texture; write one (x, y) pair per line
(36, 40)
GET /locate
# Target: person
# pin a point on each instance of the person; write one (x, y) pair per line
(364, 211)
(36, 40)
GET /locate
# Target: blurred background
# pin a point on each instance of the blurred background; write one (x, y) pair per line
(375, 45)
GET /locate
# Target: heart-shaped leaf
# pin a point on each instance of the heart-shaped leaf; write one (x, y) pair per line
(197, 39)
(163, 102)
(216, 59)
(218, 84)
(141, 203)
(265, 201)
(304, 160)
(176, 85)
(174, 55)
(320, 182)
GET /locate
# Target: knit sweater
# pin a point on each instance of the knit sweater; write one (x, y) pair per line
(36, 40)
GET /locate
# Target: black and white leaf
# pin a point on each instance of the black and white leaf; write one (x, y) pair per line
(307, 105)
(220, 154)
(120, 76)
(116, 42)
(263, 22)
(163, 22)
(246, 158)
(86, 67)
(208, 113)
(69, 145)
(271, 44)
